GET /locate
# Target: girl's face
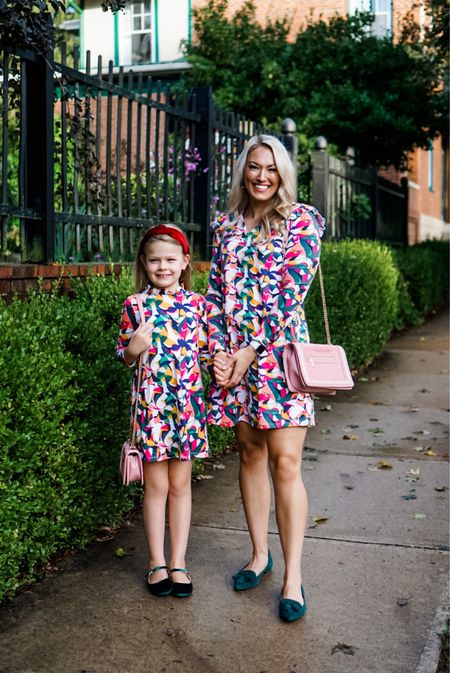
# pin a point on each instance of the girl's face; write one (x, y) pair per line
(164, 263)
(261, 177)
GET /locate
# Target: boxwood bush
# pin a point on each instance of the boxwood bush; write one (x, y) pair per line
(64, 398)
(360, 281)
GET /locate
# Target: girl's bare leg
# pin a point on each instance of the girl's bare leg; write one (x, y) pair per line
(291, 506)
(180, 505)
(156, 489)
(255, 490)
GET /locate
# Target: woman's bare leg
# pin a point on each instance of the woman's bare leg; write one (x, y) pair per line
(180, 505)
(291, 505)
(255, 490)
(156, 489)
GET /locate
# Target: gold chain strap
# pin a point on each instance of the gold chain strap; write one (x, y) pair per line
(324, 306)
(133, 428)
(322, 293)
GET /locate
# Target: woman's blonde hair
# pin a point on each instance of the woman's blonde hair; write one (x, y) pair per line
(280, 206)
(141, 279)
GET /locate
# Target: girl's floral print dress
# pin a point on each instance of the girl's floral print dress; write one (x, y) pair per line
(171, 408)
(255, 294)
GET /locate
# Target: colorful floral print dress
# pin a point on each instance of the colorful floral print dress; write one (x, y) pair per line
(171, 409)
(256, 294)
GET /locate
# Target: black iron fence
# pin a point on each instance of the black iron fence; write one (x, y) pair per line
(90, 157)
(358, 203)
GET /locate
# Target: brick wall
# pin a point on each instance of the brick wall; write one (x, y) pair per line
(19, 279)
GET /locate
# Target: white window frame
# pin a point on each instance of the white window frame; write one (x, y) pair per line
(372, 6)
(127, 30)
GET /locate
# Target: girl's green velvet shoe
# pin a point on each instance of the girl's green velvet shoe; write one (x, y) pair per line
(290, 610)
(248, 579)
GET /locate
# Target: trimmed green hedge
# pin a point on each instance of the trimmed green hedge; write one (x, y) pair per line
(360, 281)
(64, 399)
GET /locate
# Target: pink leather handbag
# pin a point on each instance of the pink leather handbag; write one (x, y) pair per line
(130, 465)
(317, 368)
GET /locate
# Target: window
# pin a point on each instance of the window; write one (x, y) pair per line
(141, 31)
(382, 9)
(382, 25)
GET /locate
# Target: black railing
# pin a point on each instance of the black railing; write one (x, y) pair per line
(89, 158)
(357, 202)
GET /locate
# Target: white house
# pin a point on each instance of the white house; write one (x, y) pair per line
(147, 35)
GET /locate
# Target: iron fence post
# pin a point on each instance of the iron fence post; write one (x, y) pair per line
(204, 143)
(405, 222)
(290, 141)
(375, 204)
(38, 184)
(320, 177)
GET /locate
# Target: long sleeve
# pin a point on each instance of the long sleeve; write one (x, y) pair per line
(128, 325)
(203, 345)
(299, 267)
(217, 336)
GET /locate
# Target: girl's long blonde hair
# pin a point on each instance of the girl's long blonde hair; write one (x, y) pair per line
(279, 208)
(141, 280)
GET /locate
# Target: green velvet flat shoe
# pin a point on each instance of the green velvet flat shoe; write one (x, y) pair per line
(181, 589)
(162, 588)
(290, 610)
(248, 579)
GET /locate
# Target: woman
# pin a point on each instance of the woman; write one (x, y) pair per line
(265, 254)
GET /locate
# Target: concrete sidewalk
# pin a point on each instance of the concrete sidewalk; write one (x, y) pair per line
(375, 572)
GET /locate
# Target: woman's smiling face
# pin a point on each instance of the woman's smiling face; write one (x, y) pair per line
(261, 177)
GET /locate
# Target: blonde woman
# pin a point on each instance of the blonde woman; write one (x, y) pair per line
(265, 254)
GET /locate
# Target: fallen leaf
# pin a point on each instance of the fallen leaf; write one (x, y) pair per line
(200, 477)
(327, 407)
(233, 509)
(218, 466)
(402, 602)
(422, 432)
(342, 647)
(119, 552)
(376, 431)
(410, 496)
(424, 390)
(320, 519)
(325, 431)
(417, 515)
(384, 465)
(440, 488)
(363, 378)
(352, 437)
(419, 448)
(348, 487)
(413, 473)
(429, 452)
(373, 420)
(414, 409)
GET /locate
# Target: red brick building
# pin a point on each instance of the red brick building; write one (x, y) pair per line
(148, 35)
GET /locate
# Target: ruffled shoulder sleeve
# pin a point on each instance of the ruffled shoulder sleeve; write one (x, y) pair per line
(318, 220)
(221, 221)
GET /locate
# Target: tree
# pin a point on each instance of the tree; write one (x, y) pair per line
(25, 23)
(335, 79)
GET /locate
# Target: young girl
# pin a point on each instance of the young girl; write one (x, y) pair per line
(171, 414)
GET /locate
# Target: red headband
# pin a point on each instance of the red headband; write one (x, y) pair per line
(176, 234)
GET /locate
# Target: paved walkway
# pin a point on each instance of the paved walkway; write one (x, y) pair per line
(375, 571)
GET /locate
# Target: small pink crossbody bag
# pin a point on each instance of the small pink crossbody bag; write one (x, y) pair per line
(316, 368)
(131, 466)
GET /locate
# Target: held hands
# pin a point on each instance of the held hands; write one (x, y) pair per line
(229, 370)
(139, 342)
